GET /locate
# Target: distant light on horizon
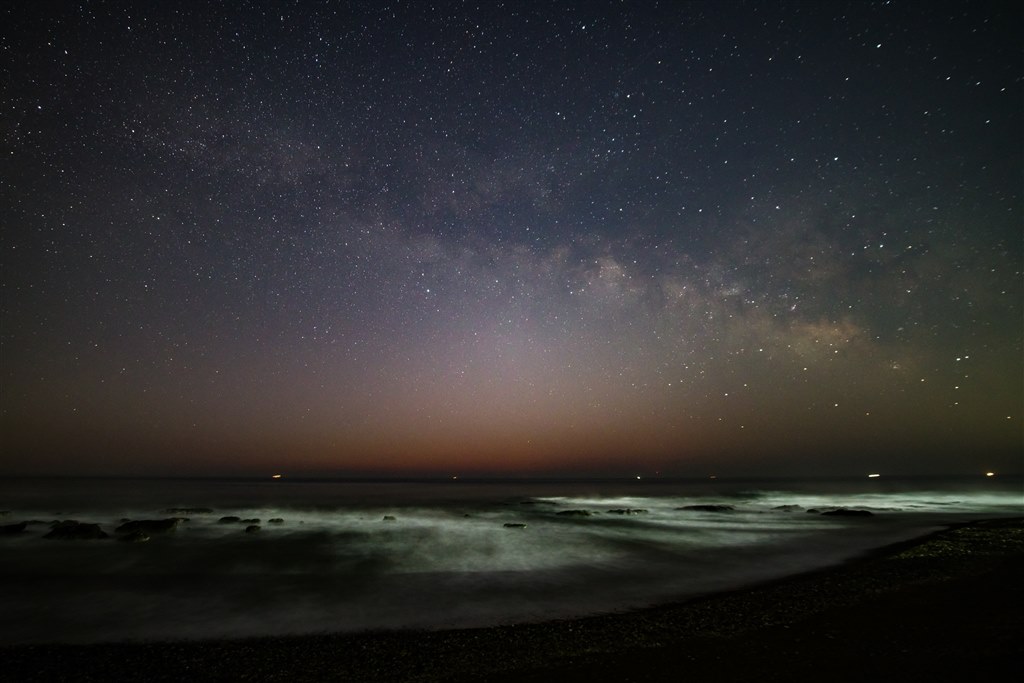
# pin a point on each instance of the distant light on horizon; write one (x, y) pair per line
(275, 476)
(990, 474)
(874, 476)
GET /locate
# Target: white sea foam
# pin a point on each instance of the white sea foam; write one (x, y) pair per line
(446, 559)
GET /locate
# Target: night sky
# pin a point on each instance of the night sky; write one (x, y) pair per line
(524, 238)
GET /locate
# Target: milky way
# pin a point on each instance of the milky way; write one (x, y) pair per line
(522, 238)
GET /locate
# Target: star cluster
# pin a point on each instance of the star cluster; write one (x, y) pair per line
(589, 238)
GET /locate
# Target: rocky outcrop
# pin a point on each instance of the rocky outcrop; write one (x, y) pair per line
(628, 511)
(233, 519)
(389, 518)
(149, 526)
(848, 512)
(787, 508)
(12, 529)
(134, 537)
(252, 528)
(708, 508)
(275, 520)
(514, 525)
(573, 513)
(71, 530)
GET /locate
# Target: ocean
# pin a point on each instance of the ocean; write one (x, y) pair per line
(349, 556)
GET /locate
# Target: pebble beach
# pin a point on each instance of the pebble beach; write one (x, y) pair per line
(946, 606)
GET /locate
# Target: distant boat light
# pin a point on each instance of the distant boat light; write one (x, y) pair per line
(275, 476)
(990, 474)
(873, 476)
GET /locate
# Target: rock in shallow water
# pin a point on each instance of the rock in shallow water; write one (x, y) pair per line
(847, 512)
(252, 528)
(514, 525)
(11, 529)
(708, 508)
(574, 513)
(71, 530)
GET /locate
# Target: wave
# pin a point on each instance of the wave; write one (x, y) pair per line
(351, 557)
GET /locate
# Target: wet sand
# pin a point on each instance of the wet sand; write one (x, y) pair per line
(949, 606)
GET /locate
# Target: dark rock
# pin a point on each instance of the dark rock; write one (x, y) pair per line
(708, 508)
(71, 530)
(813, 511)
(514, 525)
(149, 526)
(136, 536)
(275, 520)
(12, 529)
(230, 519)
(254, 520)
(628, 511)
(188, 511)
(252, 528)
(787, 508)
(574, 513)
(847, 512)
(389, 518)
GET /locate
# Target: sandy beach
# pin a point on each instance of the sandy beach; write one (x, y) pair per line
(944, 607)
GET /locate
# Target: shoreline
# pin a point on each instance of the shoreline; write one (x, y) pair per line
(942, 602)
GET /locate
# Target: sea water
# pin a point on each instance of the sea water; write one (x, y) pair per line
(355, 556)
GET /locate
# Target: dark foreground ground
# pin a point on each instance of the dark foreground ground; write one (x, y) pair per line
(945, 608)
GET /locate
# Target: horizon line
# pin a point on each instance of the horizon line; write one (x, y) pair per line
(482, 478)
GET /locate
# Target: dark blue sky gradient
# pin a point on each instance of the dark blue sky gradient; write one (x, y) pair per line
(521, 238)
